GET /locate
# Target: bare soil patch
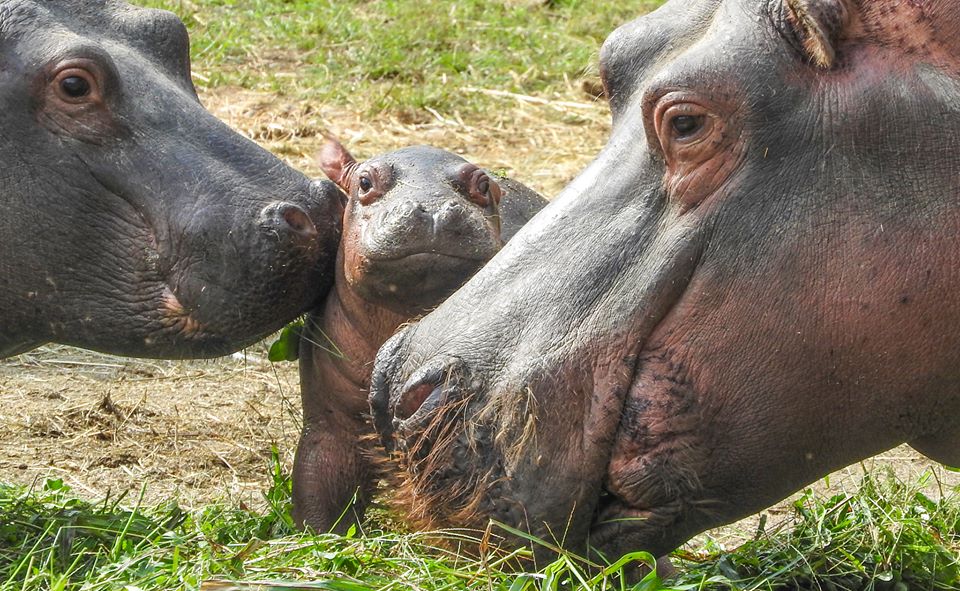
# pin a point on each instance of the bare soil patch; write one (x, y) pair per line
(201, 431)
(194, 431)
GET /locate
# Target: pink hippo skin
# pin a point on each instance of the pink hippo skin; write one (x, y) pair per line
(418, 223)
(755, 283)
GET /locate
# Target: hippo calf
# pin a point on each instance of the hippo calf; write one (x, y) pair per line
(754, 284)
(418, 223)
(131, 220)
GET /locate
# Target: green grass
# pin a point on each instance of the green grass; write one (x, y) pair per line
(51, 540)
(888, 535)
(399, 55)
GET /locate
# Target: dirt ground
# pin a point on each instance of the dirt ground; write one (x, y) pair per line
(202, 431)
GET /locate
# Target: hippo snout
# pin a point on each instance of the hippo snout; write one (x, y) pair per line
(304, 221)
(403, 410)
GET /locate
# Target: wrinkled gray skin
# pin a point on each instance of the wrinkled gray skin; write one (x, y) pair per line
(429, 220)
(133, 221)
(755, 283)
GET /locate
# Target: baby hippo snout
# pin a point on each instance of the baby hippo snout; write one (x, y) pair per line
(453, 217)
(440, 226)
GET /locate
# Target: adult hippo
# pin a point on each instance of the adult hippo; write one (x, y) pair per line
(131, 220)
(755, 283)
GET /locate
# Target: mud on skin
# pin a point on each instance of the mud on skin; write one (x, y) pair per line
(752, 285)
(418, 223)
(134, 222)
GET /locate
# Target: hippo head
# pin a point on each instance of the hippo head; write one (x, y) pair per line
(133, 221)
(753, 284)
(418, 221)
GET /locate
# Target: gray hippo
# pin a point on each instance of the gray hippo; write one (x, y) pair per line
(755, 283)
(132, 221)
(418, 223)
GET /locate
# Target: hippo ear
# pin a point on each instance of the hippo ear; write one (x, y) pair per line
(819, 25)
(336, 162)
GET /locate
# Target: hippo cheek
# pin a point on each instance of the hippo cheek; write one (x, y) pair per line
(652, 481)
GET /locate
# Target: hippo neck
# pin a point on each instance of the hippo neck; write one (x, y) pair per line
(350, 332)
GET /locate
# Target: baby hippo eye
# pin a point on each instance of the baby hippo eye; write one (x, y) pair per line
(75, 86)
(686, 125)
(365, 184)
(483, 185)
(371, 185)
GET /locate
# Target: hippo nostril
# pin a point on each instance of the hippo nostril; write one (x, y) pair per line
(288, 218)
(451, 215)
(298, 220)
(414, 399)
(409, 207)
(430, 387)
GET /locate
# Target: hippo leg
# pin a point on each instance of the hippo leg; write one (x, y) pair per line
(328, 466)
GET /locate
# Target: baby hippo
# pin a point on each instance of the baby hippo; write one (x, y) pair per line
(418, 223)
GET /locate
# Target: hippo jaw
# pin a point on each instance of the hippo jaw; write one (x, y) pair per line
(701, 327)
(165, 233)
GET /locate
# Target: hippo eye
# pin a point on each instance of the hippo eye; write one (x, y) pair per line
(686, 125)
(371, 185)
(483, 185)
(75, 87)
(365, 184)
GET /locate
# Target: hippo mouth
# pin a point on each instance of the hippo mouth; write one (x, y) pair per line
(421, 257)
(451, 472)
(176, 317)
(456, 464)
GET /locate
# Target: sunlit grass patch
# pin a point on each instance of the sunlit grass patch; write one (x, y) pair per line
(400, 56)
(51, 540)
(888, 534)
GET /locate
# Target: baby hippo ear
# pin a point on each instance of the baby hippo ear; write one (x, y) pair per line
(336, 162)
(819, 24)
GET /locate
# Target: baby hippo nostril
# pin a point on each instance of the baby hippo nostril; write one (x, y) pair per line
(451, 216)
(287, 218)
(452, 208)
(411, 208)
